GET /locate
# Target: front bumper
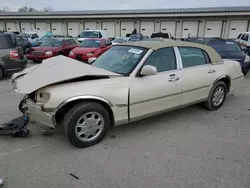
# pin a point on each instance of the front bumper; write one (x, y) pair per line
(37, 57)
(35, 113)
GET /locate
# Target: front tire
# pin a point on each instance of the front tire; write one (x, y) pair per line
(216, 97)
(86, 124)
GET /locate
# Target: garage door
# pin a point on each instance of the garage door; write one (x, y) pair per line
(236, 27)
(57, 28)
(213, 28)
(41, 27)
(190, 28)
(168, 27)
(25, 26)
(73, 29)
(2, 26)
(127, 28)
(90, 25)
(11, 26)
(147, 28)
(109, 27)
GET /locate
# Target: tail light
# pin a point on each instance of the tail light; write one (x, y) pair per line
(14, 55)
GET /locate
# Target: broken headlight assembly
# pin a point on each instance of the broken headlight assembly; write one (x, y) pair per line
(42, 97)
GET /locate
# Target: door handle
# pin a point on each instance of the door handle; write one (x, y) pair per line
(211, 71)
(173, 79)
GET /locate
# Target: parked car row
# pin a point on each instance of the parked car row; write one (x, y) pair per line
(90, 47)
(228, 49)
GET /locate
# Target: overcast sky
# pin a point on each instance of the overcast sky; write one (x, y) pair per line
(118, 4)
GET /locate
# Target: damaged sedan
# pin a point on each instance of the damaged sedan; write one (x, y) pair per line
(129, 82)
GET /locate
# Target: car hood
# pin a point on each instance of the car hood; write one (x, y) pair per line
(81, 39)
(83, 50)
(52, 71)
(239, 56)
(42, 49)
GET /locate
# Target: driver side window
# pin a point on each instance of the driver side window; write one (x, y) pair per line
(163, 59)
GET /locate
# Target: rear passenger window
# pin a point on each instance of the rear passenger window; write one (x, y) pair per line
(243, 36)
(246, 37)
(192, 56)
(239, 36)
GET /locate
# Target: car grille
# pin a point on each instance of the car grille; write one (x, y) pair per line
(36, 53)
(79, 57)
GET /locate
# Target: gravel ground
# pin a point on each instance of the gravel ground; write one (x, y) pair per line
(188, 148)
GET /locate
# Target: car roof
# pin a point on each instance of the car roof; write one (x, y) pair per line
(155, 45)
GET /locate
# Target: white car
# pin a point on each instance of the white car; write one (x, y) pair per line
(119, 40)
(129, 82)
(92, 34)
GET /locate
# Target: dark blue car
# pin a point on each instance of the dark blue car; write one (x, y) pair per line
(229, 49)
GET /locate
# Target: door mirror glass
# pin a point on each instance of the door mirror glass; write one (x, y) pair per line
(148, 70)
(91, 60)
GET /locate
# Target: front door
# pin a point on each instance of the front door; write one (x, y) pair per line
(154, 94)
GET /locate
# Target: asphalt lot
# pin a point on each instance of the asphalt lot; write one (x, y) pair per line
(188, 148)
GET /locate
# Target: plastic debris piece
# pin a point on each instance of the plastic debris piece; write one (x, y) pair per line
(1, 181)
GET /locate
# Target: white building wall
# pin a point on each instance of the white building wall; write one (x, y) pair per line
(228, 29)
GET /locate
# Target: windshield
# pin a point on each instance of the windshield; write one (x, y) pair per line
(120, 59)
(52, 43)
(90, 43)
(46, 37)
(228, 46)
(119, 40)
(135, 37)
(89, 34)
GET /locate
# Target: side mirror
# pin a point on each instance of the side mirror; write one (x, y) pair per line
(148, 70)
(246, 50)
(173, 38)
(78, 36)
(91, 60)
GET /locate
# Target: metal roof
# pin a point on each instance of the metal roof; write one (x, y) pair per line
(134, 11)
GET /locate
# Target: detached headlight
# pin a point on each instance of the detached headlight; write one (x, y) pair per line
(71, 53)
(90, 54)
(247, 59)
(42, 97)
(48, 53)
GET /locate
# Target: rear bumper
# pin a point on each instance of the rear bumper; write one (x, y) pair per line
(35, 113)
(37, 57)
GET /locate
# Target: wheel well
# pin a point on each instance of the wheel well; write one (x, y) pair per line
(227, 81)
(62, 111)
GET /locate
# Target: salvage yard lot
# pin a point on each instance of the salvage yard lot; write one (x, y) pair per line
(187, 148)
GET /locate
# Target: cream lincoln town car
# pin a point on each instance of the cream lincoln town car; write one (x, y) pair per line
(129, 82)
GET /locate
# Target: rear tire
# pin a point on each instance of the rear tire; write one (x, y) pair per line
(217, 96)
(86, 124)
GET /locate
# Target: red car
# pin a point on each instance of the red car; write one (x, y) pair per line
(52, 47)
(88, 48)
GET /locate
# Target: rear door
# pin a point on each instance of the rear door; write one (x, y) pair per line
(197, 74)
